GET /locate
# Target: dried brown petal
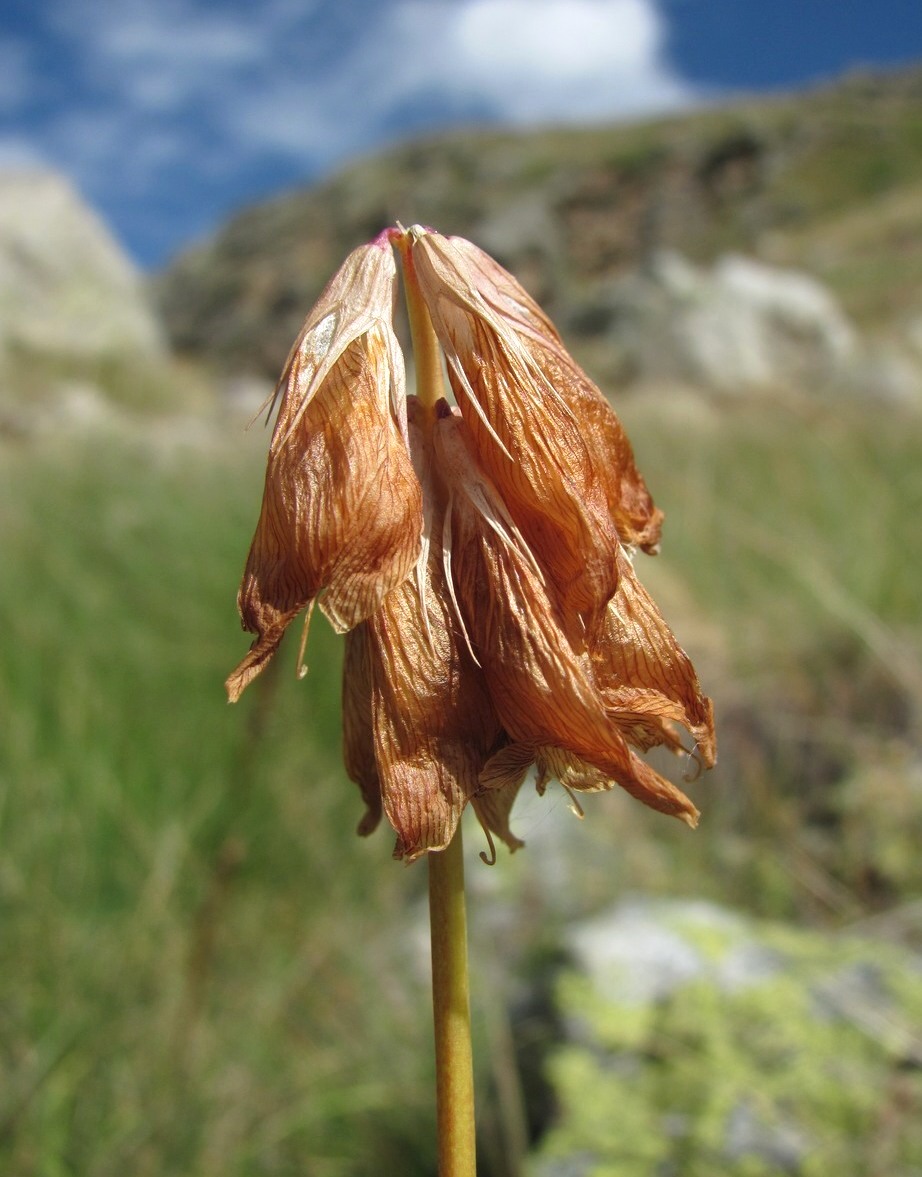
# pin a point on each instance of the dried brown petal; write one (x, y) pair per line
(645, 677)
(493, 808)
(504, 294)
(434, 723)
(342, 508)
(638, 521)
(543, 689)
(506, 771)
(642, 782)
(525, 435)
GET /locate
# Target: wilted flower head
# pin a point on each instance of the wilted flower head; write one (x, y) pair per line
(477, 555)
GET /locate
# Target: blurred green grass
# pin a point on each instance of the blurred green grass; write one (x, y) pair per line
(183, 895)
(204, 971)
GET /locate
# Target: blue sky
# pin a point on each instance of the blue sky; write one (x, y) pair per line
(171, 114)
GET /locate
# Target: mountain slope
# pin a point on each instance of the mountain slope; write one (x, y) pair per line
(824, 180)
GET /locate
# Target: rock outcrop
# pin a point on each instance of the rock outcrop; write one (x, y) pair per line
(737, 328)
(68, 293)
(700, 1040)
(79, 338)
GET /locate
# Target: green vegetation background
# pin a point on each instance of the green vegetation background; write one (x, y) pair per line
(205, 972)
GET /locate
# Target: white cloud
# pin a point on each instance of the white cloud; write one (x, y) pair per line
(518, 61)
(566, 38)
(155, 91)
(158, 56)
(265, 78)
(567, 59)
(535, 60)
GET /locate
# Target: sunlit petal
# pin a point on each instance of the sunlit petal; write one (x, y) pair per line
(645, 677)
(433, 722)
(543, 689)
(525, 435)
(342, 509)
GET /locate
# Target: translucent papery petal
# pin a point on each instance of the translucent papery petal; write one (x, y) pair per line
(342, 508)
(644, 782)
(544, 691)
(359, 297)
(506, 772)
(572, 772)
(358, 738)
(503, 292)
(434, 724)
(508, 767)
(493, 808)
(645, 677)
(526, 437)
(637, 520)
(635, 517)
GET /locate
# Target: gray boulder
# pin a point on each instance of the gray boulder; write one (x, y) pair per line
(699, 1040)
(69, 296)
(739, 328)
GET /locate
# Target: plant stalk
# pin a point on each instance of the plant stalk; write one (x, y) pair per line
(427, 355)
(451, 1009)
(454, 1068)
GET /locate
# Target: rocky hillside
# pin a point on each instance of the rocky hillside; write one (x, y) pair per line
(829, 181)
(76, 324)
(66, 288)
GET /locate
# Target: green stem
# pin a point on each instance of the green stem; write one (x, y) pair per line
(427, 355)
(451, 1008)
(454, 1068)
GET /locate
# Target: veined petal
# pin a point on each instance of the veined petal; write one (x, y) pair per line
(433, 722)
(493, 808)
(642, 782)
(504, 294)
(360, 296)
(525, 435)
(543, 689)
(505, 772)
(342, 508)
(645, 677)
(638, 521)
